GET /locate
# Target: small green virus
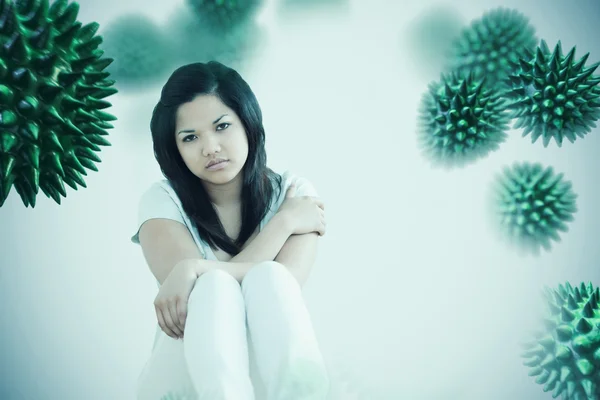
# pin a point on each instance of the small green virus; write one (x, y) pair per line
(461, 120)
(192, 41)
(565, 356)
(554, 96)
(52, 90)
(493, 44)
(291, 8)
(429, 36)
(531, 204)
(224, 15)
(140, 50)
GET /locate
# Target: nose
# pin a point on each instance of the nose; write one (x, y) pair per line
(211, 146)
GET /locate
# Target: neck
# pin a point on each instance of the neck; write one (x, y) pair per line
(226, 195)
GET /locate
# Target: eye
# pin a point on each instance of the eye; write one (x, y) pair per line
(189, 138)
(220, 126)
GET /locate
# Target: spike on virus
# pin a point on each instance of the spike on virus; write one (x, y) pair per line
(461, 120)
(492, 45)
(53, 89)
(224, 15)
(554, 95)
(564, 357)
(141, 52)
(531, 204)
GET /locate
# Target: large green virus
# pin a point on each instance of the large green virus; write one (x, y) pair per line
(142, 54)
(52, 90)
(493, 44)
(224, 15)
(565, 356)
(554, 96)
(531, 205)
(461, 120)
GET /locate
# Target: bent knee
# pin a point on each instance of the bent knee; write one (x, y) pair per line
(215, 280)
(217, 276)
(267, 270)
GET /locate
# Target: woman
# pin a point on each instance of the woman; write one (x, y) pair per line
(230, 243)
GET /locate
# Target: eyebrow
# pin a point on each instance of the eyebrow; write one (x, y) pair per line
(193, 130)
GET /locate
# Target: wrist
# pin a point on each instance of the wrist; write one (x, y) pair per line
(192, 266)
(284, 222)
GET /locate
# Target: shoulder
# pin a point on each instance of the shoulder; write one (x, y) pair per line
(160, 187)
(159, 201)
(159, 193)
(304, 187)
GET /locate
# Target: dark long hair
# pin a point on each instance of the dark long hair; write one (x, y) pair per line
(260, 183)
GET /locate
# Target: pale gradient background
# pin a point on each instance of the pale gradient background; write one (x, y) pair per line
(411, 291)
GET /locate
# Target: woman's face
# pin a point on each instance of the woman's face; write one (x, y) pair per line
(207, 131)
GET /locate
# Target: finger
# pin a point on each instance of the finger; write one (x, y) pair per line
(319, 203)
(173, 312)
(182, 313)
(159, 317)
(291, 191)
(167, 321)
(162, 323)
(167, 313)
(168, 328)
(321, 230)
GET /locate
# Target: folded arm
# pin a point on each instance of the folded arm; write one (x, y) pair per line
(167, 243)
(298, 254)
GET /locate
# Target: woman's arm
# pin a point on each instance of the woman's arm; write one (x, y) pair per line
(268, 242)
(298, 254)
(264, 247)
(167, 243)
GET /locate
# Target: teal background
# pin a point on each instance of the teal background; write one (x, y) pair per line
(411, 293)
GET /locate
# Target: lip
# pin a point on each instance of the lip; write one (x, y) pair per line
(216, 164)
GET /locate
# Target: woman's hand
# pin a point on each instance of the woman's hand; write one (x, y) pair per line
(172, 298)
(305, 214)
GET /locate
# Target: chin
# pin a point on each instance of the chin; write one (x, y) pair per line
(220, 177)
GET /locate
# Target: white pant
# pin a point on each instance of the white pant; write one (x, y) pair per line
(212, 362)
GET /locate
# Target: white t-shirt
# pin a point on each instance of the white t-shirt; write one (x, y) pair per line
(161, 201)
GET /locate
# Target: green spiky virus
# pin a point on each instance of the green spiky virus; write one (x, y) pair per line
(52, 89)
(461, 120)
(192, 41)
(289, 8)
(531, 205)
(565, 357)
(142, 54)
(493, 44)
(554, 96)
(224, 15)
(429, 36)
